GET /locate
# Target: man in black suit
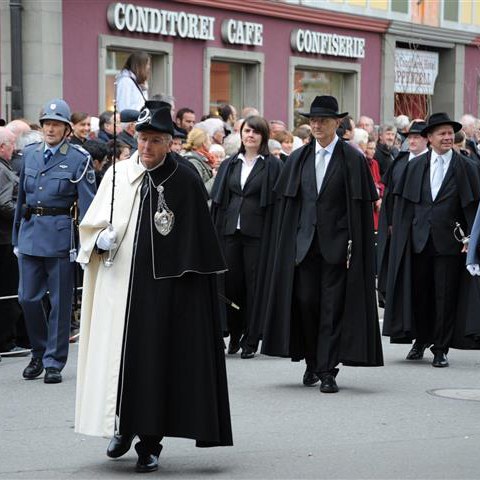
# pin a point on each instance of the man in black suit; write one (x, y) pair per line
(322, 305)
(438, 191)
(417, 146)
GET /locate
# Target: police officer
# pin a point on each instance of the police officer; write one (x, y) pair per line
(55, 175)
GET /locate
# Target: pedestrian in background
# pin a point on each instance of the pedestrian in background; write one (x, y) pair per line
(132, 82)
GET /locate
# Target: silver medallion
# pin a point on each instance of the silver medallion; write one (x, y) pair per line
(164, 217)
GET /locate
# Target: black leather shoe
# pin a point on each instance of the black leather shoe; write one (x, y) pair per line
(328, 385)
(119, 445)
(233, 347)
(247, 352)
(52, 375)
(310, 378)
(146, 463)
(416, 352)
(440, 360)
(33, 369)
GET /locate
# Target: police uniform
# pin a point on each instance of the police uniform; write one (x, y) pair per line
(44, 239)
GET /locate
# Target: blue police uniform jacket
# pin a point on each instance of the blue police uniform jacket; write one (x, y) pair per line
(67, 177)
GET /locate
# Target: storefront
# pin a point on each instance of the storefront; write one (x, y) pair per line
(206, 56)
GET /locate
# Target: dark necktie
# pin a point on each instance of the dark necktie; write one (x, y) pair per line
(47, 155)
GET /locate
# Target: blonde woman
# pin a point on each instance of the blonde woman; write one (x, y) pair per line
(196, 151)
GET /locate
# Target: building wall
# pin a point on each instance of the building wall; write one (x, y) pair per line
(80, 57)
(472, 80)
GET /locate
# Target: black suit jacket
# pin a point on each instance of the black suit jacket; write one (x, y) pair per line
(245, 202)
(325, 212)
(436, 219)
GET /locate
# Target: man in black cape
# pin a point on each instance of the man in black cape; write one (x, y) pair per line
(151, 361)
(417, 146)
(322, 305)
(437, 198)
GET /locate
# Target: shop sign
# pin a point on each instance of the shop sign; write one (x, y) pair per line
(308, 41)
(134, 18)
(237, 32)
(415, 71)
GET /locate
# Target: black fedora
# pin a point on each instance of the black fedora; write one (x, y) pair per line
(437, 119)
(324, 106)
(155, 119)
(416, 128)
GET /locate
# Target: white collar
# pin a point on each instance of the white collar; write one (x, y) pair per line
(329, 148)
(446, 156)
(241, 156)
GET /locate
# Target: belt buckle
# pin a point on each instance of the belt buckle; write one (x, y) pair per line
(40, 211)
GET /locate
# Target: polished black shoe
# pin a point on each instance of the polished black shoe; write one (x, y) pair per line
(119, 445)
(233, 347)
(247, 352)
(440, 360)
(52, 375)
(328, 385)
(310, 378)
(416, 352)
(33, 369)
(146, 463)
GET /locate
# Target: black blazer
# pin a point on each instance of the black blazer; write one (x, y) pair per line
(245, 203)
(436, 219)
(325, 212)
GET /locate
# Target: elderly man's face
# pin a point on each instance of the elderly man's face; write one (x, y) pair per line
(152, 147)
(388, 138)
(324, 129)
(441, 139)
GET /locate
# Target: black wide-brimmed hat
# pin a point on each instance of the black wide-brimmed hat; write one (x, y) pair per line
(128, 115)
(437, 119)
(155, 119)
(324, 106)
(416, 128)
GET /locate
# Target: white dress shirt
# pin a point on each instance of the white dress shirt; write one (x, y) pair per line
(412, 155)
(328, 150)
(247, 168)
(447, 157)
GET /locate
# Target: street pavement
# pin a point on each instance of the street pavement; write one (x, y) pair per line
(383, 424)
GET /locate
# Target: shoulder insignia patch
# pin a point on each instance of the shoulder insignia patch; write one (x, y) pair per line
(90, 176)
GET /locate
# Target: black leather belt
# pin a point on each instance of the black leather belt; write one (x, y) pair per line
(42, 211)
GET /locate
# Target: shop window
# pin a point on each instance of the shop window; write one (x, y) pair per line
(234, 77)
(400, 6)
(450, 10)
(230, 83)
(310, 83)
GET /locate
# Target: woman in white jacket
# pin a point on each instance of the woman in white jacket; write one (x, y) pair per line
(132, 82)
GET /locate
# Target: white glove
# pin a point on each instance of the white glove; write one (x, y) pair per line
(15, 251)
(107, 238)
(473, 269)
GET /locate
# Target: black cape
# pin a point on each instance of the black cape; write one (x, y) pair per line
(399, 322)
(173, 377)
(220, 200)
(390, 179)
(360, 339)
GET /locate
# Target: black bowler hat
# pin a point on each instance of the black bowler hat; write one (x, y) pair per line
(324, 106)
(437, 119)
(127, 115)
(416, 128)
(155, 119)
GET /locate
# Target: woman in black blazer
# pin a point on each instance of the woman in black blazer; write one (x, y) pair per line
(242, 209)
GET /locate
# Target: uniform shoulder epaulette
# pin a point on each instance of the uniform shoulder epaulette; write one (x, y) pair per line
(31, 144)
(79, 148)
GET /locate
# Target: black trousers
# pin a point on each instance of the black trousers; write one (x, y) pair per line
(12, 323)
(319, 294)
(149, 444)
(241, 254)
(435, 293)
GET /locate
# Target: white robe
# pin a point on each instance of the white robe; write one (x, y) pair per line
(104, 299)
